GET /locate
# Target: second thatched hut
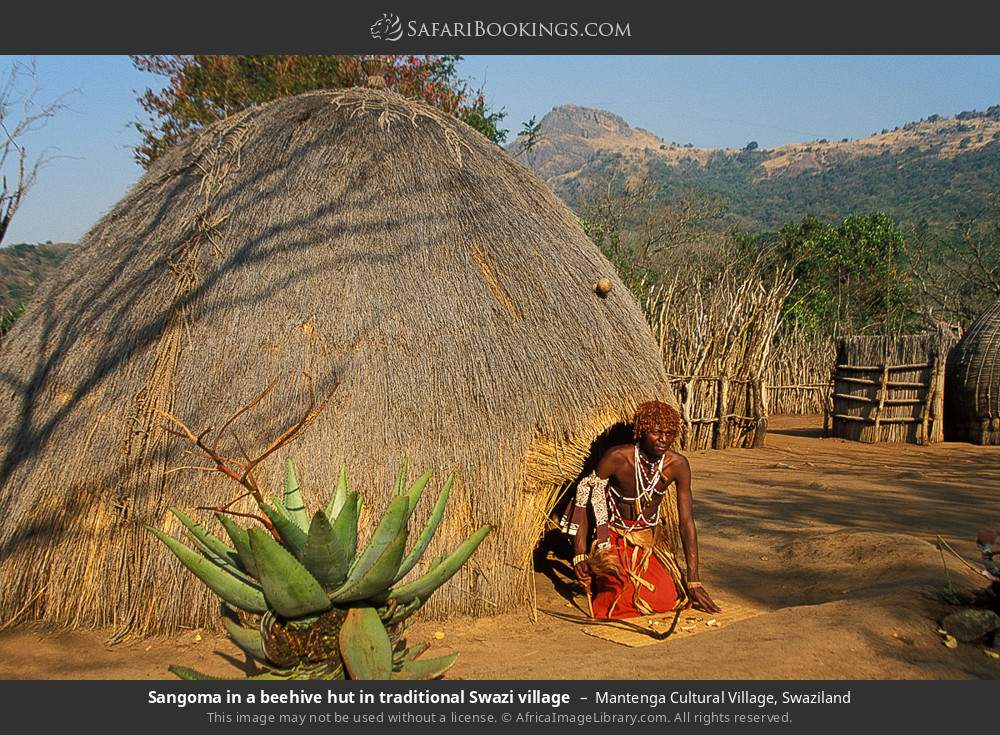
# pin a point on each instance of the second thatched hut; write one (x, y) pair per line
(973, 392)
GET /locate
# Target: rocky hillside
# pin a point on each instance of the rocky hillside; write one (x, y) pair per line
(936, 168)
(572, 135)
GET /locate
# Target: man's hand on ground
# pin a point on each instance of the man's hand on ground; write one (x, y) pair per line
(701, 600)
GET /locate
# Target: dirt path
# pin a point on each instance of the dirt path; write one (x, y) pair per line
(832, 538)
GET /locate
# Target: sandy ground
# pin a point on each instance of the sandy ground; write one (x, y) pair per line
(832, 538)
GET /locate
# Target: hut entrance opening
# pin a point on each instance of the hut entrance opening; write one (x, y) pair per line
(554, 546)
(553, 554)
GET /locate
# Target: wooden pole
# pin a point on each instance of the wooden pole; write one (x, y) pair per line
(937, 407)
(828, 404)
(721, 412)
(923, 433)
(933, 425)
(686, 408)
(760, 410)
(883, 390)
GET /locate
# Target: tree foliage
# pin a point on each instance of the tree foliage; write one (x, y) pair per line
(956, 269)
(850, 277)
(200, 89)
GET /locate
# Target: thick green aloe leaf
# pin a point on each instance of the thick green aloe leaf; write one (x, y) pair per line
(278, 505)
(212, 546)
(183, 672)
(428, 668)
(345, 527)
(379, 576)
(413, 652)
(293, 537)
(248, 640)
(364, 645)
(323, 555)
(416, 490)
(403, 612)
(423, 587)
(339, 497)
(427, 534)
(234, 591)
(288, 587)
(385, 534)
(295, 507)
(241, 541)
(401, 479)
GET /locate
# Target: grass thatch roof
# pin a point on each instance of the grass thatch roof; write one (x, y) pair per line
(973, 391)
(349, 235)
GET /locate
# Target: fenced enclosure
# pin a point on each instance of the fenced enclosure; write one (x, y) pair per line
(799, 373)
(890, 388)
(718, 412)
(715, 338)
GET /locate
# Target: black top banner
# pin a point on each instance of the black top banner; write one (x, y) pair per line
(397, 27)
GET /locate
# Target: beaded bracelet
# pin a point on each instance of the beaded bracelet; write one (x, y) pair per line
(579, 558)
(694, 585)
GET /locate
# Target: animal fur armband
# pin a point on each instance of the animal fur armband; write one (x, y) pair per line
(590, 493)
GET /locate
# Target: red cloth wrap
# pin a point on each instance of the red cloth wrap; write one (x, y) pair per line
(620, 596)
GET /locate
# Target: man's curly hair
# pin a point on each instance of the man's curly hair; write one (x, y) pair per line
(656, 415)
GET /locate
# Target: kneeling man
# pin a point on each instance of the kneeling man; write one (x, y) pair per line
(624, 516)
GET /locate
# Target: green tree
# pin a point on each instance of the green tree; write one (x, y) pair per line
(850, 277)
(201, 89)
(529, 137)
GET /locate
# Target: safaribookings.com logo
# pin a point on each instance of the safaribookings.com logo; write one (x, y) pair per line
(390, 28)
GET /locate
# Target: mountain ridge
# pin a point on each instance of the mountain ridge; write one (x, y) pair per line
(954, 160)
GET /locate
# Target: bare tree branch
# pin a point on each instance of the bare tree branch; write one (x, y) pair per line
(242, 471)
(21, 115)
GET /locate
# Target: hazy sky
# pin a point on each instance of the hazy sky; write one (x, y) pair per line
(705, 100)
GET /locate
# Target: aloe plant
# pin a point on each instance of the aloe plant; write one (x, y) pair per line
(310, 604)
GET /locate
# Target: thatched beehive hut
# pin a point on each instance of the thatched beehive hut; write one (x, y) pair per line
(974, 382)
(890, 388)
(348, 235)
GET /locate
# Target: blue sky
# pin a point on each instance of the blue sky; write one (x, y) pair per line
(705, 100)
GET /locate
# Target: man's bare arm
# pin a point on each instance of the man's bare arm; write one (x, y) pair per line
(685, 517)
(689, 535)
(609, 464)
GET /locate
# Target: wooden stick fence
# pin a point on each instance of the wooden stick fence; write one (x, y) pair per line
(724, 427)
(899, 399)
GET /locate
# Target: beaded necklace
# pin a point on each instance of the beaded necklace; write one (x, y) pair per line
(647, 475)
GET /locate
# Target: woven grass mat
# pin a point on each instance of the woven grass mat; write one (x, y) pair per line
(651, 629)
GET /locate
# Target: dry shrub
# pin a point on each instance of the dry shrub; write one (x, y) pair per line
(715, 321)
